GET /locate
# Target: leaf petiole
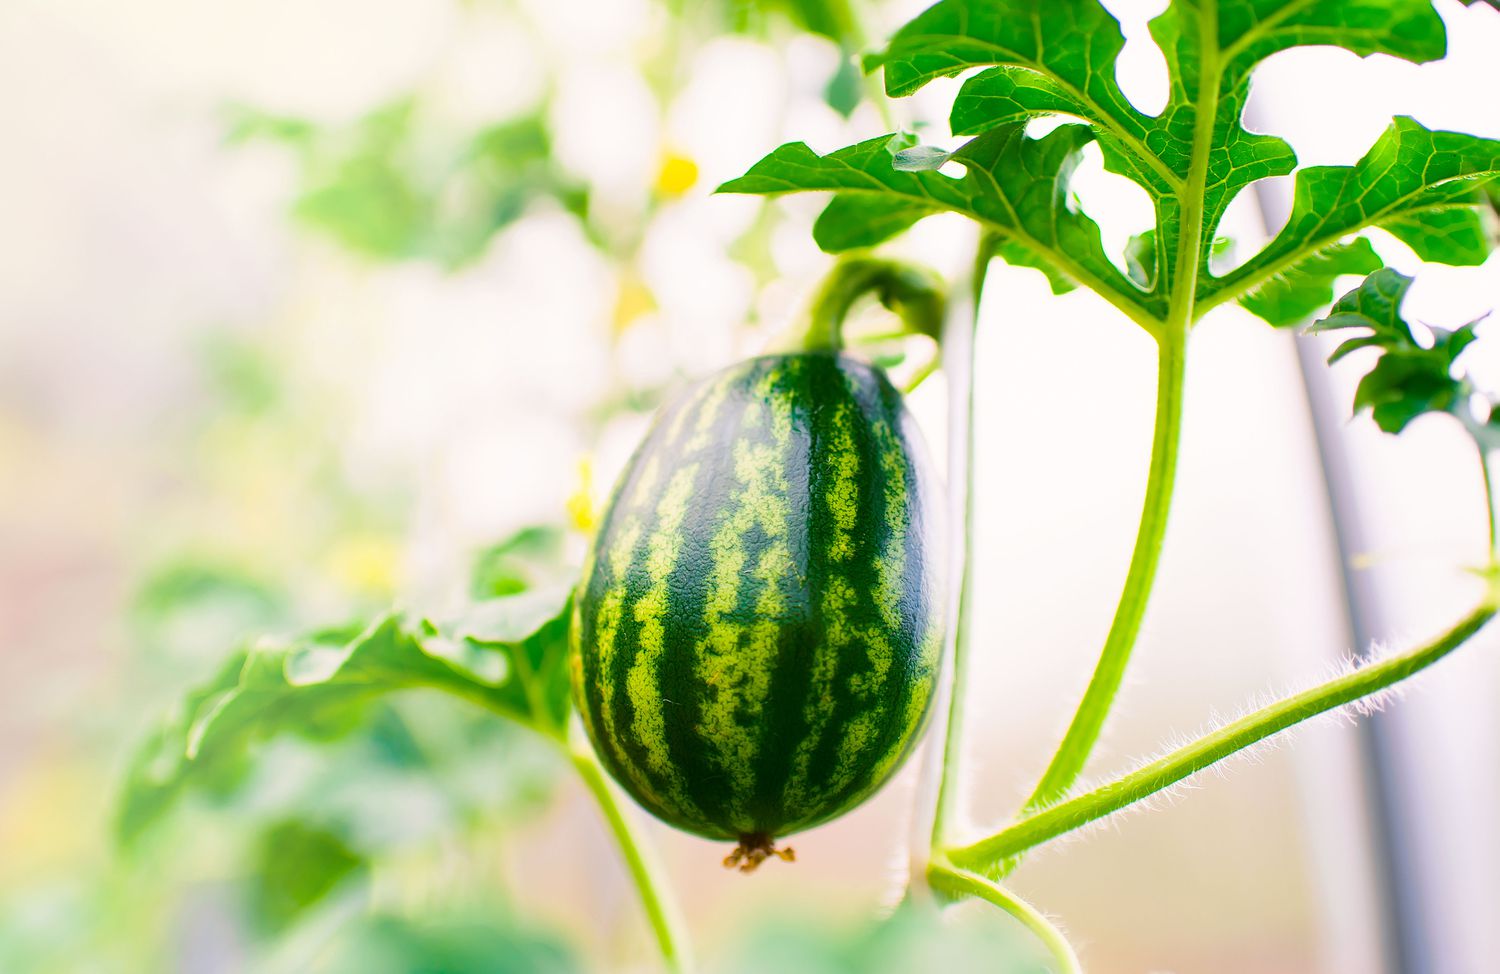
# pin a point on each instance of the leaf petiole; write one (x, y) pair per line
(958, 362)
(1083, 733)
(914, 294)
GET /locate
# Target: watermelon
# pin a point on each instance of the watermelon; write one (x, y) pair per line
(758, 628)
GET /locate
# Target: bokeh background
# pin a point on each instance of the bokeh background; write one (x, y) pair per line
(304, 308)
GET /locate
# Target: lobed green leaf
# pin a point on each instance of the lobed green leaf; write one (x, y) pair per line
(1194, 158)
(1419, 184)
(1301, 289)
(1028, 60)
(1014, 184)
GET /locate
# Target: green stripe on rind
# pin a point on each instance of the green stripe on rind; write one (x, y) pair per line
(603, 655)
(735, 658)
(788, 660)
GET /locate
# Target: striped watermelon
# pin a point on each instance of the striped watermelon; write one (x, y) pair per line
(759, 624)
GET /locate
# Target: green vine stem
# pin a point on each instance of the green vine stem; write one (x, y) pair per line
(958, 363)
(1072, 754)
(914, 294)
(956, 882)
(661, 910)
(988, 855)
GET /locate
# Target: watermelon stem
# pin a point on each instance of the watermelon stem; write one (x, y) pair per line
(959, 883)
(754, 849)
(1088, 721)
(916, 296)
(656, 899)
(958, 364)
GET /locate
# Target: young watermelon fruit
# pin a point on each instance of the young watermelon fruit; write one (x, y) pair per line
(758, 629)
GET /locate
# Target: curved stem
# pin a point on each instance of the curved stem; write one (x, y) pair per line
(661, 910)
(916, 295)
(958, 355)
(1049, 823)
(960, 882)
(1088, 721)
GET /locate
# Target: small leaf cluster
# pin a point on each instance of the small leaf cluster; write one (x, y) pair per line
(1410, 378)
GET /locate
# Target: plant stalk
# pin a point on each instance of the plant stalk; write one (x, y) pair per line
(1046, 824)
(960, 883)
(661, 910)
(958, 360)
(914, 294)
(1083, 733)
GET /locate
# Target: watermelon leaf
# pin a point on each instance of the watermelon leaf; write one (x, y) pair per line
(1409, 378)
(1034, 60)
(1011, 183)
(508, 655)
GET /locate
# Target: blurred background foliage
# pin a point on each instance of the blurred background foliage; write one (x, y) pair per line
(373, 835)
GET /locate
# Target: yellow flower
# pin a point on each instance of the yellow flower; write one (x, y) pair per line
(365, 563)
(581, 512)
(677, 175)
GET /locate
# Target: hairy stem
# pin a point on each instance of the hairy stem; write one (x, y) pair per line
(1088, 721)
(1083, 733)
(661, 910)
(956, 882)
(1047, 824)
(959, 362)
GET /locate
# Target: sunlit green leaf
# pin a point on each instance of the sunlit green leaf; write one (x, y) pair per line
(845, 90)
(1306, 286)
(1050, 59)
(1017, 254)
(1418, 184)
(1032, 60)
(1010, 182)
(852, 221)
(191, 582)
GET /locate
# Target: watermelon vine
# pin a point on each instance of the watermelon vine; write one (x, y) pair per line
(763, 624)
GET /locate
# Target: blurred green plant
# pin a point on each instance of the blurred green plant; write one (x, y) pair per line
(914, 937)
(481, 944)
(392, 186)
(297, 865)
